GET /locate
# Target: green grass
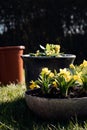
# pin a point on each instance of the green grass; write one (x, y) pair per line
(15, 115)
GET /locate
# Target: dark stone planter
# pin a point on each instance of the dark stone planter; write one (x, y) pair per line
(33, 65)
(54, 108)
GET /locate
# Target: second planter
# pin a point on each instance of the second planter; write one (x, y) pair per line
(33, 65)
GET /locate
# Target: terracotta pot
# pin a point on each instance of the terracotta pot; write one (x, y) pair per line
(11, 64)
(54, 108)
(33, 65)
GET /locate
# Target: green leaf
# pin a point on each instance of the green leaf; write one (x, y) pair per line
(42, 47)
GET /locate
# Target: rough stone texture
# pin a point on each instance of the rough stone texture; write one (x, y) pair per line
(57, 108)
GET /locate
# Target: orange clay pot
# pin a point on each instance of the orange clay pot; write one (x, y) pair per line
(11, 64)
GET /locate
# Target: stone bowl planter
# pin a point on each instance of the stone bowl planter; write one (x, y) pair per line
(54, 108)
(33, 65)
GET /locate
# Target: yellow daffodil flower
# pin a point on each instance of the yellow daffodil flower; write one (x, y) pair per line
(57, 48)
(51, 75)
(33, 85)
(77, 78)
(45, 71)
(55, 84)
(84, 64)
(66, 74)
(72, 66)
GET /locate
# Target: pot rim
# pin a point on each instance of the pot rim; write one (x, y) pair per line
(12, 47)
(46, 98)
(49, 57)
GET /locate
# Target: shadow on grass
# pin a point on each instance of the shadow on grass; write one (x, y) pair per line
(16, 116)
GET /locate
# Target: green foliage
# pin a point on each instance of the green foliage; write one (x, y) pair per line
(62, 81)
(84, 80)
(64, 86)
(48, 50)
(45, 82)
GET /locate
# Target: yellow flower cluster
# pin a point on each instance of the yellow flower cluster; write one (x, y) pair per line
(62, 80)
(77, 77)
(52, 49)
(84, 64)
(45, 71)
(48, 50)
(66, 74)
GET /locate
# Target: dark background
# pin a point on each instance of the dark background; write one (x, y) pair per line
(35, 22)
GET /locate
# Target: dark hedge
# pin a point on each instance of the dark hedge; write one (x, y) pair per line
(34, 22)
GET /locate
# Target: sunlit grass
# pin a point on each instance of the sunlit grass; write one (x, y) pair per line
(11, 92)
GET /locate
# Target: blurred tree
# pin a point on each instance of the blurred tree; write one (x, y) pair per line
(31, 22)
